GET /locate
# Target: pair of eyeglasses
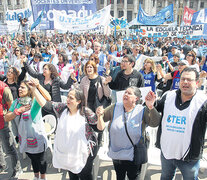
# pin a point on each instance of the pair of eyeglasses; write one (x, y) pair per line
(186, 79)
(124, 61)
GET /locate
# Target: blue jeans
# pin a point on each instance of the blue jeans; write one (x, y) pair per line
(7, 143)
(189, 169)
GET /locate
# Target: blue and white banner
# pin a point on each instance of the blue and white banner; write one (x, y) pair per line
(66, 22)
(165, 14)
(12, 18)
(74, 8)
(164, 31)
(200, 17)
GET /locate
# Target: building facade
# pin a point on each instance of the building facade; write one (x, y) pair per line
(120, 8)
(129, 8)
(11, 5)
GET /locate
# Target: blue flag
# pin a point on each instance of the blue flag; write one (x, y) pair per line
(163, 15)
(200, 17)
(38, 20)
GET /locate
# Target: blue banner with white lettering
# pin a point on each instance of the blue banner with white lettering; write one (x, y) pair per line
(75, 8)
(200, 17)
(162, 16)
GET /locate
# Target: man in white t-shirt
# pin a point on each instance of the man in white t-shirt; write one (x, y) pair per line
(182, 130)
(70, 51)
(82, 47)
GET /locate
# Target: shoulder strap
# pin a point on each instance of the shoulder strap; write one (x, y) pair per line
(127, 130)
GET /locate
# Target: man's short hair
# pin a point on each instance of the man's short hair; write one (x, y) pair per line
(130, 58)
(191, 69)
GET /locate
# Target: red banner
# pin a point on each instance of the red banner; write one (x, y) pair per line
(187, 16)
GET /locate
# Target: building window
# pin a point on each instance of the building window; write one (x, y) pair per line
(129, 1)
(102, 1)
(0, 2)
(121, 13)
(129, 16)
(191, 4)
(112, 13)
(112, 1)
(159, 4)
(9, 2)
(18, 2)
(202, 5)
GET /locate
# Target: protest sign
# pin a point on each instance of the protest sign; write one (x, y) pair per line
(200, 17)
(163, 31)
(73, 8)
(162, 16)
(12, 18)
(188, 15)
(66, 22)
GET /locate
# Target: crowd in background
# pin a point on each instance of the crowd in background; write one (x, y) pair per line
(95, 65)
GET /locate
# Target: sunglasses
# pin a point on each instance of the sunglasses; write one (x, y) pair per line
(17, 50)
(189, 55)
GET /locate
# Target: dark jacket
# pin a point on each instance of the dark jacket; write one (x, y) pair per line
(14, 87)
(198, 130)
(121, 81)
(57, 83)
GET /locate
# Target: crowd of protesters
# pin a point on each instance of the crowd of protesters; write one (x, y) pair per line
(35, 77)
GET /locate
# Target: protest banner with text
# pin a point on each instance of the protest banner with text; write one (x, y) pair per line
(71, 24)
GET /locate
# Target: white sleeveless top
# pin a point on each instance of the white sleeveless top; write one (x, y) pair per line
(177, 125)
(70, 145)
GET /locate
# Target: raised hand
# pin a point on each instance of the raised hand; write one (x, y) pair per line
(99, 111)
(108, 79)
(35, 82)
(150, 99)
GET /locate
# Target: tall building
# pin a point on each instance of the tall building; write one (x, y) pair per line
(129, 8)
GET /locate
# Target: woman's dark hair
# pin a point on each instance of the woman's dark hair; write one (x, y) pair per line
(137, 93)
(30, 54)
(76, 54)
(95, 58)
(194, 56)
(65, 57)
(15, 73)
(29, 90)
(20, 50)
(79, 95)
(129, 51)
(53, 70)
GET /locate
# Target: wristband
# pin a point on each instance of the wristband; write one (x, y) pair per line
(17, 112)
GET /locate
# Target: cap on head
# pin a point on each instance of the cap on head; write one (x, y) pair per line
(177, 55)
